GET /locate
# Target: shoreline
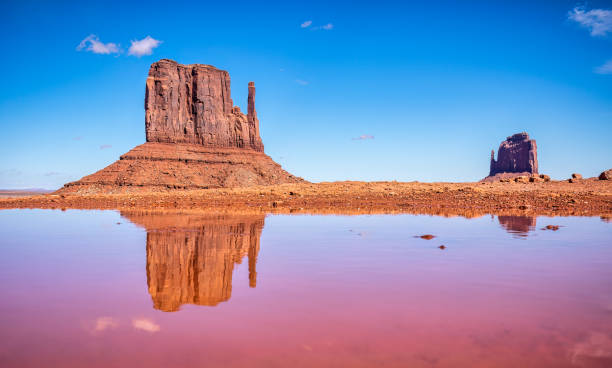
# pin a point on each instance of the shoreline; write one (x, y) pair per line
(556, 198)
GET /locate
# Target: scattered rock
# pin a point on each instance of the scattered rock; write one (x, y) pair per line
(426, 236)
(442, 247)
(606, 175)
(551, 227)
(522, 179)
(536, 179)
(576, 176)
(545, 177)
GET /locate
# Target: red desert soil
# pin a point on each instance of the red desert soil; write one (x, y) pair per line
(589, 197)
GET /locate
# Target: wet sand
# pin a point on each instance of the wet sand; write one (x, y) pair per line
(559, 198)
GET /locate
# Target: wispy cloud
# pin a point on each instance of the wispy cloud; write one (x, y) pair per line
(301, 82)
(93, 44)
(325, 27)
(145, 325)
(105, 146)
(363, 137)
(143, 47)
(606, 68)
(598, 21)
(53, 173)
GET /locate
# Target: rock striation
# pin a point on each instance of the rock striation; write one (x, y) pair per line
(516, 156)
(193, 104)
(195, 138)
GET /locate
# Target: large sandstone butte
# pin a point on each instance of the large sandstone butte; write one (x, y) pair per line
(517, 155)
(195, 138)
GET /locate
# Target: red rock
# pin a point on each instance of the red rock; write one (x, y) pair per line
(576, 176)
(193, 104)
(606, 175)
(517, 154)
(196, 138)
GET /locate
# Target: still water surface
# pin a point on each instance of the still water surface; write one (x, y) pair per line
(110, 289)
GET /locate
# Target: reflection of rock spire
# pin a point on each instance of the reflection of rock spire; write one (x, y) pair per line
(253, 252)
(191, 258)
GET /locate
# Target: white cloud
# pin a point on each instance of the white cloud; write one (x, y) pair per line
(301, 82)
(92, 43)
(606, 68)
(598, 21)
(308, 23)
(105, 146)
(363, 137)
(143, 47)
(145, 325)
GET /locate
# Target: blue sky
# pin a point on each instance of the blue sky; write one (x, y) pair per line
(431, 87)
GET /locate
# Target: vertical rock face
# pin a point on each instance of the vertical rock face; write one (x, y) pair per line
(191, 258)
(193, 104)
(517, 154)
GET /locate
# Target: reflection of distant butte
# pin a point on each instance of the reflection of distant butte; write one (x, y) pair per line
(191, 257)
(517, 225)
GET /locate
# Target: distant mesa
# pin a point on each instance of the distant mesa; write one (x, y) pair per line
(195, 138)
(516, 156)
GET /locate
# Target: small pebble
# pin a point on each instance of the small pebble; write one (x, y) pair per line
(442, 247)
(426, 236)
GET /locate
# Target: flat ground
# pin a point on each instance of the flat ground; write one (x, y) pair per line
(589, 197)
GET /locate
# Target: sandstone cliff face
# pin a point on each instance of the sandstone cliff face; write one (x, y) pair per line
(191, 257)
(517, 154)
(193, 104)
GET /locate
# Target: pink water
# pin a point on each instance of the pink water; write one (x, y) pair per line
(80, 290)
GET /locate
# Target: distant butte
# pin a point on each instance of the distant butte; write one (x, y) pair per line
(195, 138)
(516, 156)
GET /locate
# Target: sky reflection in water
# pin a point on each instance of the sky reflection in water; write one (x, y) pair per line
(162, 290)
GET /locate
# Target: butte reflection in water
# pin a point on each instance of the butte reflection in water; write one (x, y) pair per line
(191, 257)
(519, 226)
